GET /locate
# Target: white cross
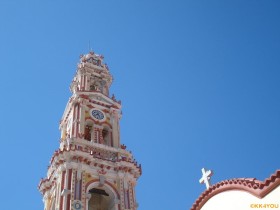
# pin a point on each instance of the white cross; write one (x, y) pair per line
(205, 179)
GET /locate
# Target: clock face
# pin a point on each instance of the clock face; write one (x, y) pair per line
(97, 114)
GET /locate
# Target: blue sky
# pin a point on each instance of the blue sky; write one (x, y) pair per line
(199, 83)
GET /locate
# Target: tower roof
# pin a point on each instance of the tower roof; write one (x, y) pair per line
(93, 59)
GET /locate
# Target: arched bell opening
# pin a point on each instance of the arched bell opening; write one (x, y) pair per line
(88, 131)
(92, 87)
(107, 136)
(101, 198)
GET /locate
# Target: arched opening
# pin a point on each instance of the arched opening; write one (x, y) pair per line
(88, 134)
(92, 87)
(106, 136)
(88, 129)
(101, 199)
(94, 84)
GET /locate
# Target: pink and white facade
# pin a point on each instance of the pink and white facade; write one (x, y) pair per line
(91, 170)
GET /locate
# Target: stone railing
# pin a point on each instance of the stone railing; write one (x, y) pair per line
(98, 150)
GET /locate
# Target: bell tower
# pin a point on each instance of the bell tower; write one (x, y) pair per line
(91, 170)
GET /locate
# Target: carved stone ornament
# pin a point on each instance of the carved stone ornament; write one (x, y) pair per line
(77, 205)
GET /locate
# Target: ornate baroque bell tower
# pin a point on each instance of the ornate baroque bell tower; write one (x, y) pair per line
(91, 170)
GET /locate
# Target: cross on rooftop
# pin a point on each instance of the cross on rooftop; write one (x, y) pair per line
(205, 179)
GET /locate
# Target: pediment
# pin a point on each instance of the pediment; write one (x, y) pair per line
(100, 98)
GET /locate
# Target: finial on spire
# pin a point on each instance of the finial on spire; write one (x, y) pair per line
(205, 179)
(90, 48)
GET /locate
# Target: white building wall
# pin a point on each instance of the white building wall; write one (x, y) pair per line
(241, 200)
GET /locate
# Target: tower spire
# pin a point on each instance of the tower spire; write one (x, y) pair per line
(89, 46)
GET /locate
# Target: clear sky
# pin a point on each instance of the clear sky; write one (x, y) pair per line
(199, 82)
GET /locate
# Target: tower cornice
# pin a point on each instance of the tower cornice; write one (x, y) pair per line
(72, 157)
